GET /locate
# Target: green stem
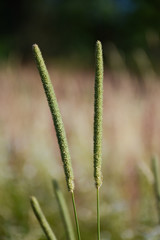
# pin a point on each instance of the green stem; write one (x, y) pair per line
(75, 215)
(155, 167)
(64, 211)
(41, 219)
(98, 216)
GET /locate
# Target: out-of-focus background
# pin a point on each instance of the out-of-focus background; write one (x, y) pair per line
(66, 32)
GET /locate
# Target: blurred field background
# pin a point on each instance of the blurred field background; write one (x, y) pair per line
(66, 32)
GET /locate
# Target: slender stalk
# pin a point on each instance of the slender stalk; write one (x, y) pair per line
(41, 219)
(98, 119)
(75, 215)
(63, 211)
(156, 173)
(98, 216)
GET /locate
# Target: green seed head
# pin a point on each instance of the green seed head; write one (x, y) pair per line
(98, 111)
(57, 119)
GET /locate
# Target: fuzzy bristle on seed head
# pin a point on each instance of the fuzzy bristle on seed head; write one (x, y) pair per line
(56, 115)
(98, 112)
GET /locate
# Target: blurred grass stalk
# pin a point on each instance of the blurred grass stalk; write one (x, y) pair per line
(156, 172)
(42, 220)
(98, 117)
(63, 211)
(59, 127)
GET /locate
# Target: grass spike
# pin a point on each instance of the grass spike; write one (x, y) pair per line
(98, 112)
(63, 211)
(41, 219)
(57, 119)
(58, 123)
(98, 117)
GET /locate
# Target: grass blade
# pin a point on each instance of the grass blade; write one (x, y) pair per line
(41, 219)
(156, 173)
(64, 211)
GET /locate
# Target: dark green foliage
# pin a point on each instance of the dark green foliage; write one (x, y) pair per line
(71, 27)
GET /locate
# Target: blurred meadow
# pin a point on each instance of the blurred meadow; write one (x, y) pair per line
(30, 157)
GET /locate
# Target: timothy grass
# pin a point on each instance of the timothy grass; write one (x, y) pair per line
(29, 155)
(98, 111)
(61, 135)
(57, 119)
(60, 131)
(62, 141)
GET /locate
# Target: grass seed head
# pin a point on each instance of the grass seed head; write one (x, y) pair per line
(98, 111)
(57, 119)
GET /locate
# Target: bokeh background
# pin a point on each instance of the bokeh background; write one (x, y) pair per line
(66, 32)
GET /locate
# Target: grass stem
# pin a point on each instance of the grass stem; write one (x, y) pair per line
(75, 215)
(41, 219)
(98, 216)
(64, 211)
(156, 173)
